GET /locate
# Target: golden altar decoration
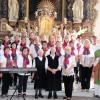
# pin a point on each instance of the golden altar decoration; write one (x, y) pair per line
(45, 14)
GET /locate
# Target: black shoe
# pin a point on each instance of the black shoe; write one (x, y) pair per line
(40, 95)
(24, 94)
(3, 95)
(36, 96)
(68, 98)
(55, 95)
(64, 97)
(49, 95)
(19, 94)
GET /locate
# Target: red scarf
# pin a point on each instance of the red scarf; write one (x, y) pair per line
(13, 51)
(45, 50)
(50, 45)
(66, 60)
(17, 41)
(8, 63)
(25, 61)
(23, 45)
(65, 44)
(86, 51)
(6, 44)
(72, 51)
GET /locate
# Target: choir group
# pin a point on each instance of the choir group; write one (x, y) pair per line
(58, 59)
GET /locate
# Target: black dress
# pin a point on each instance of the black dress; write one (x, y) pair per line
(40, 76)
(53, 80)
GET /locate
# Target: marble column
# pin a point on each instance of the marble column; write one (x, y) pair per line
(69, 11)
(63, 7)
(21, 9)
(0, 8)
(27, 9)
(4, 8)
(58, 5)
(87, 12)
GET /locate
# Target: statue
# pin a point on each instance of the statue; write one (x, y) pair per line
(4, 8)
(21, 9)
(13, 10)
(78, 11)
(45, 25)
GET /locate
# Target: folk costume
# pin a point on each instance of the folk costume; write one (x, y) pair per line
(53, 80)
(40, 76)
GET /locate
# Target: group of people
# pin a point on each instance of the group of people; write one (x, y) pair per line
(58, 59)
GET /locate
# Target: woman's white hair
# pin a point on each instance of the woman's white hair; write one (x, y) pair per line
(40, 50)
(86, 40)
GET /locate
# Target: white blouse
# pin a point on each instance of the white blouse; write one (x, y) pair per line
(33, 52)
(20, 63)
(87, 60)
(3, 60)
(70, 67)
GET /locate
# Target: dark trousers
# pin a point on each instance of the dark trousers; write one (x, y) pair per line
(15, 79)
(76, 73)
(86, 77)
(5, 83)
(68, 84)
(0, 80)
(22, 83)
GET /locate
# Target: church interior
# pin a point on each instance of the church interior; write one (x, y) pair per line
(72, 14)
(58, 24)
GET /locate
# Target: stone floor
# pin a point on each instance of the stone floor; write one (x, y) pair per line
(77, 93)
(60, 98)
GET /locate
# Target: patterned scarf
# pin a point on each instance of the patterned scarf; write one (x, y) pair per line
(86, 51)
(8, 63)
(25, 61)
(66, 60)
